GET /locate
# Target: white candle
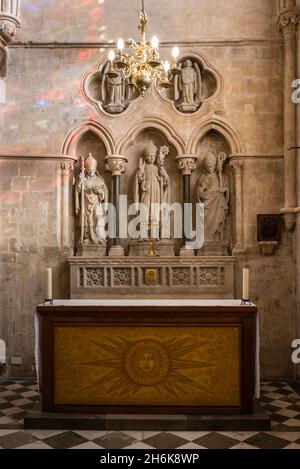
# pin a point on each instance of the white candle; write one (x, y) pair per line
(49, 284)
(246, 275)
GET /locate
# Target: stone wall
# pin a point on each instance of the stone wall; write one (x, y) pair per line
(30, 242)
(44, 104)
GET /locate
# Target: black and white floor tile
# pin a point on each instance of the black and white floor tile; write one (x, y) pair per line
(279, 399)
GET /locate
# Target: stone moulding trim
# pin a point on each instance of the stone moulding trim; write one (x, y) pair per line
(106, 45)
(149, 123)
(255, 156)
(290, 211)
(70, 143)
(221, 126)
(29, 156)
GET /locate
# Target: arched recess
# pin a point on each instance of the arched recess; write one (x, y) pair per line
(220, 126)
(71, 142)
(146, 124)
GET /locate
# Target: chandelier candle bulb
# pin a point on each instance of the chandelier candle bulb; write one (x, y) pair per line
(49, 284)
(120, 45)
(154, 42)
(175, 52)
(111, 56)
(166, 66)
(246, 276)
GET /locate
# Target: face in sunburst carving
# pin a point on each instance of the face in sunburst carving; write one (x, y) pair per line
(147, 363)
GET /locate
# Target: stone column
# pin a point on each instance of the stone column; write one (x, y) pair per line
(66, 169)
(287, 23)
(187, 165)
(237, 167)
(9, 22)
(116, 165)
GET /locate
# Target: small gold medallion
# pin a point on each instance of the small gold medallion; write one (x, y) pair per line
(151, 277)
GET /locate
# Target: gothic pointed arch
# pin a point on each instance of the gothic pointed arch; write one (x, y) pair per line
(74, 136)
(222, 127)
(151, 123)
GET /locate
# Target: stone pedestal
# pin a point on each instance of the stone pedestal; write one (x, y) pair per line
(186, 252)
(268, 248)
(91, 251)
(116, 251)
(114, 108)
(214, 249)
(184, 107)
(162, 247)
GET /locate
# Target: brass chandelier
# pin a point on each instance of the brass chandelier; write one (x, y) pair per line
(145, 66)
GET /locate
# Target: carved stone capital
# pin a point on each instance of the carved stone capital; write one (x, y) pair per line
(289, 216)
(66, 167)
(116, 164)
(237, 166)
(288, 19)
(8, 27)
(187, 164)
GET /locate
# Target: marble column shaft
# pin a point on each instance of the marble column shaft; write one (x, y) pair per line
(66, 167)
(237, 167)
(116, 165)
(287, 24)
(187, 165)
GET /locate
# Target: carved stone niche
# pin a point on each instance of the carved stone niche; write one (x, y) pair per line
(196, 84)
(109, 94)
(135, 154)
(88, 143)
(213, 150)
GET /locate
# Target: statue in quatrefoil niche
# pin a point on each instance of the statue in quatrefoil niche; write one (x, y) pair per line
(188, 87)
(115, 91)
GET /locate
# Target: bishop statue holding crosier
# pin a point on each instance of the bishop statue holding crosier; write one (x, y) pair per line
(151, 189)
(213, 192)
(90, 196)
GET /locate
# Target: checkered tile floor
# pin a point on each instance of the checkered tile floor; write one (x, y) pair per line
(278, 398)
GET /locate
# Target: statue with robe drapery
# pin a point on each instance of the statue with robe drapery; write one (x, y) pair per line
(90, 196)
(213, 192)
(152, 188)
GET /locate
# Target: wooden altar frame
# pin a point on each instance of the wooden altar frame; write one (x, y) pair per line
(244, 317)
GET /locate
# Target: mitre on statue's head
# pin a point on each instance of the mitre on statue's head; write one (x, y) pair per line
(151, 148)
(210, 159)
(90, 162)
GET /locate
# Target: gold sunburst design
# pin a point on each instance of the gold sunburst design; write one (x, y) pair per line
(147, 363)
(151, 277)
(130, 365)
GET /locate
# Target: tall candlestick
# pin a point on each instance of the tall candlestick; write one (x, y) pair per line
(246, 276)
(49, 284)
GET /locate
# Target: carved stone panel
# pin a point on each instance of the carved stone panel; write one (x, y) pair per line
(145, 277)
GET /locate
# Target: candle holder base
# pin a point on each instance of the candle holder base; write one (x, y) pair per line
(47, 301)
(246, 303)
